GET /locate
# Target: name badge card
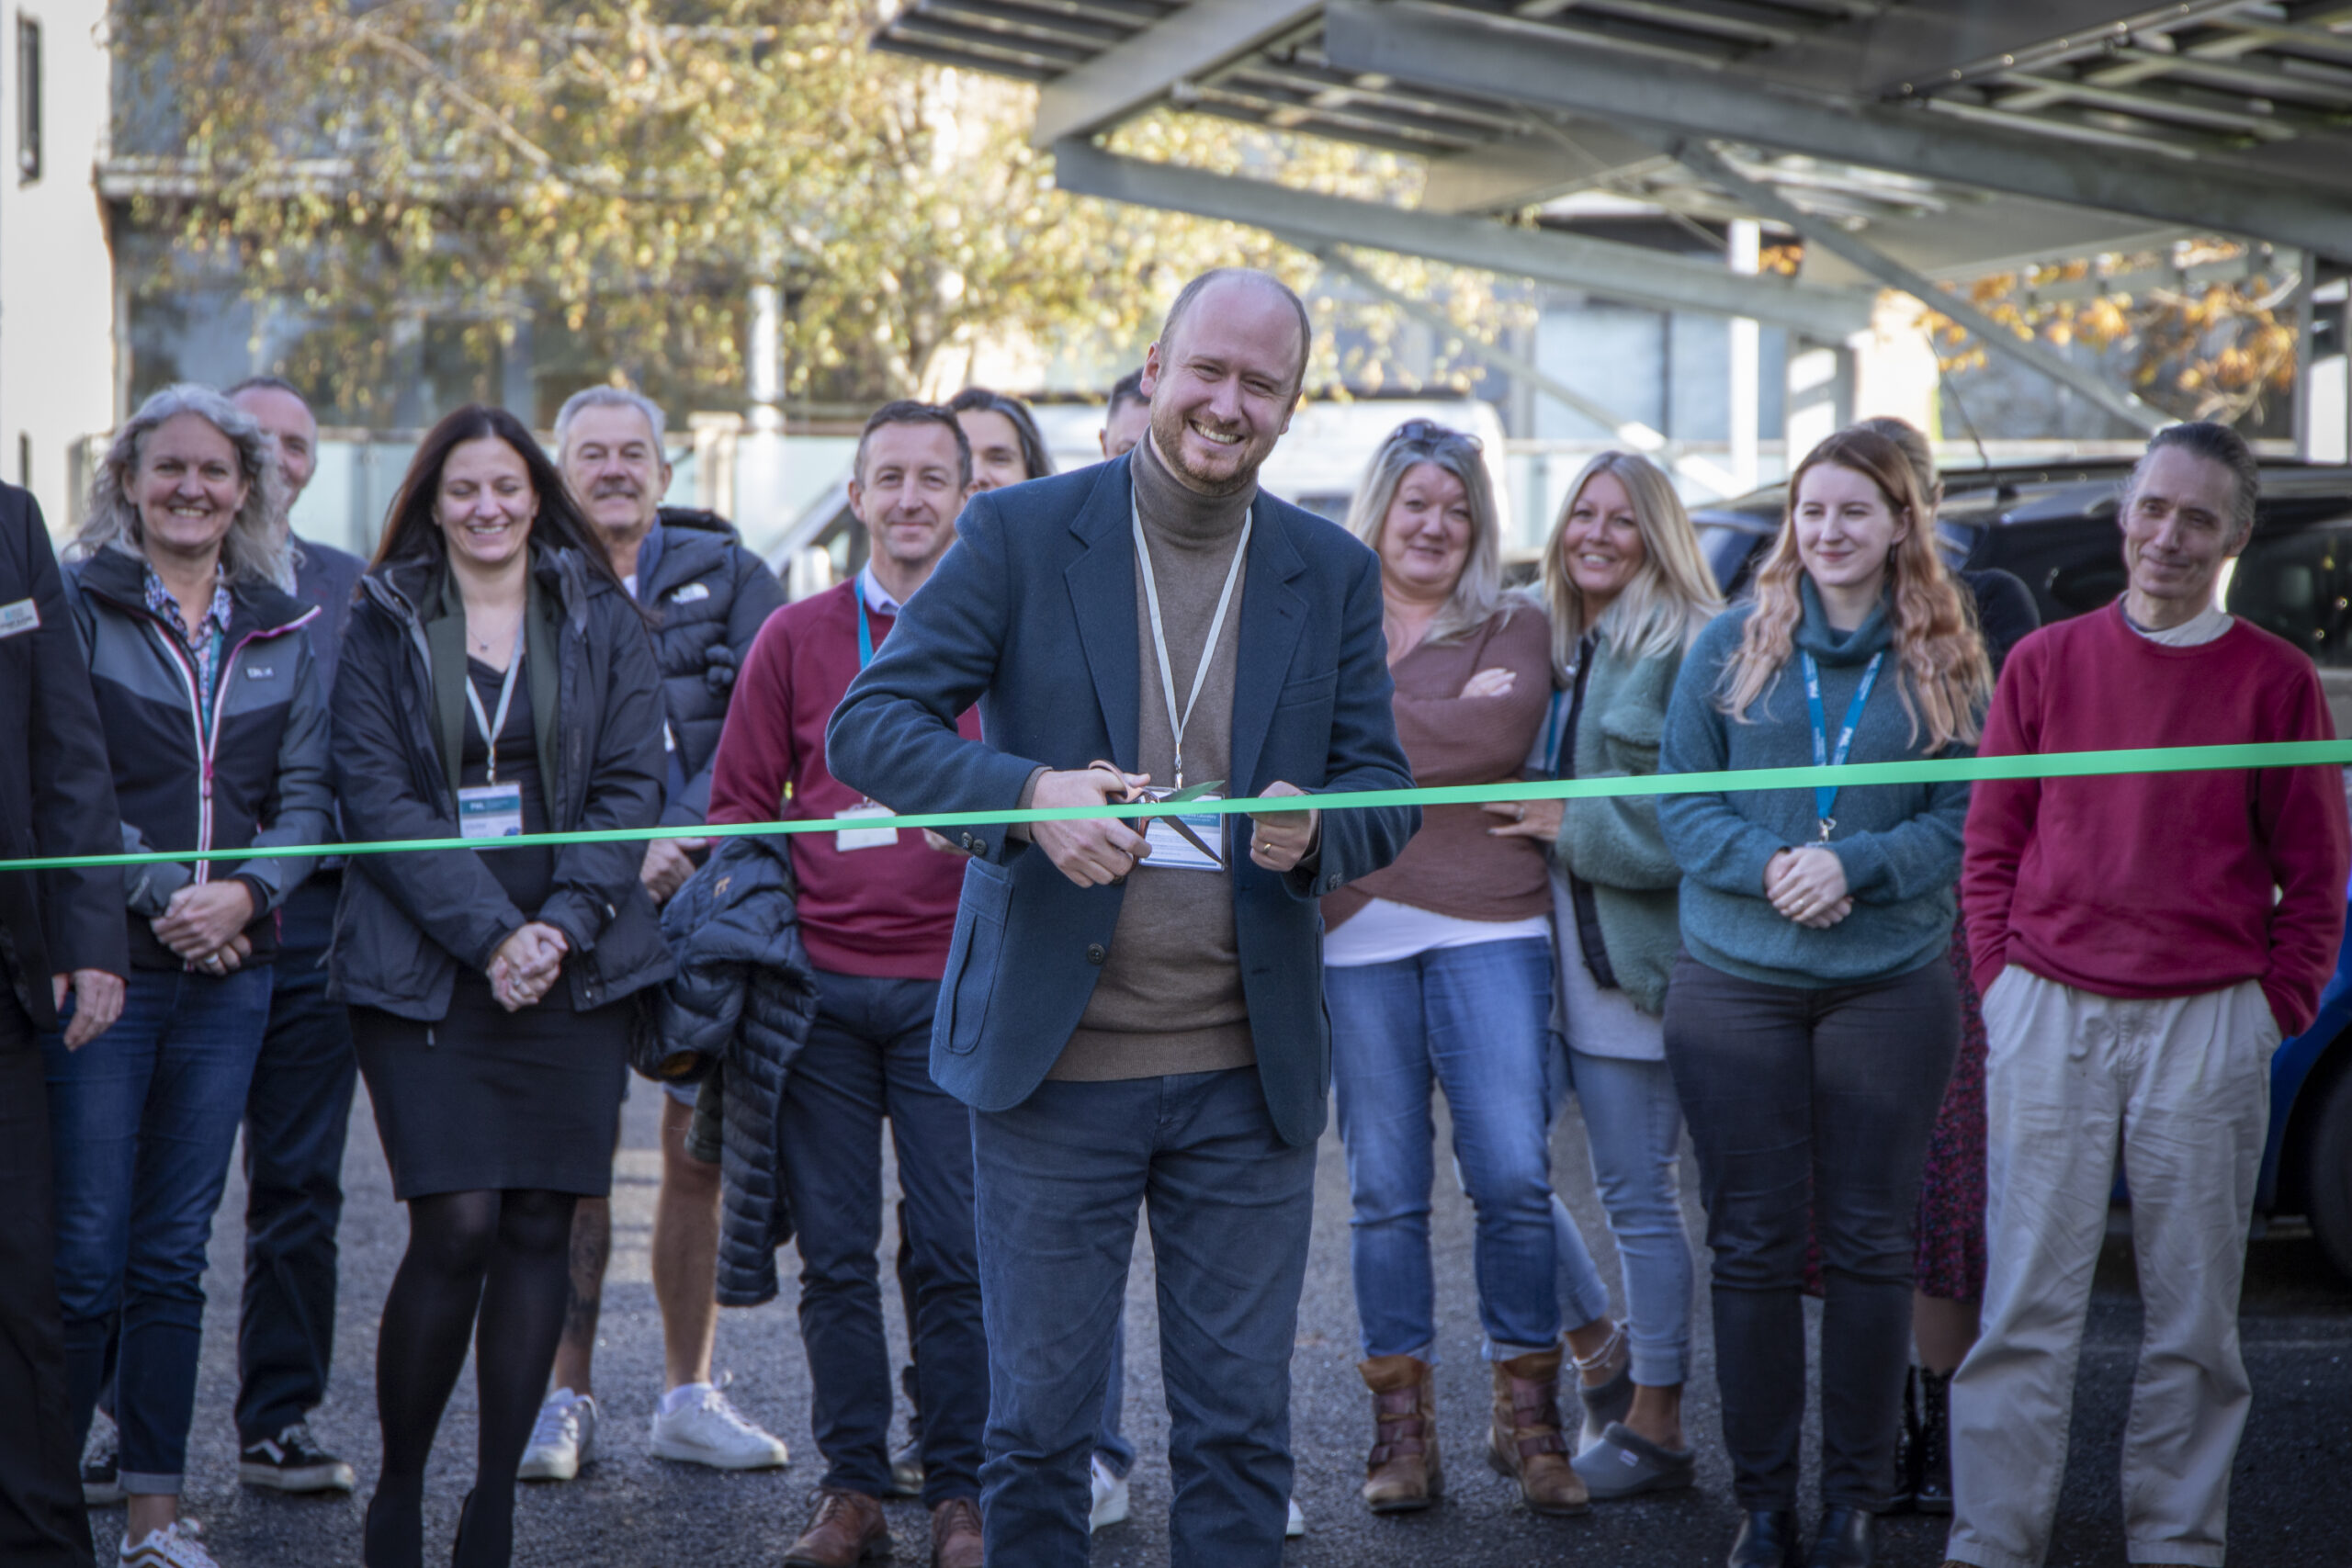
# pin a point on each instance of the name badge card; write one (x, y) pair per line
(847, 840)
(21, 616)
(490, 811)
(1171, 851)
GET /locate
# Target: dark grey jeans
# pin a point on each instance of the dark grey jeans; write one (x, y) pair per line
(1810, 1111)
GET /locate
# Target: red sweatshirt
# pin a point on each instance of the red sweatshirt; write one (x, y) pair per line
(2159, 884)
(885, 912)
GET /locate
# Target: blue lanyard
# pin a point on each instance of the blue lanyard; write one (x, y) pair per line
(1823, 754)
(865, 633)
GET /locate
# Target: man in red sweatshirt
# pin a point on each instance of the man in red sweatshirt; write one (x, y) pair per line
(2143, 943)
(877, 908)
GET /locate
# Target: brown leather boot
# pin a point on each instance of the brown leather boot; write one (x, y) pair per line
(1402, 1473)
(847, 1529)
(1525, 1443)
(956, 1539)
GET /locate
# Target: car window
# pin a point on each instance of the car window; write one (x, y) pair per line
(2298, 583)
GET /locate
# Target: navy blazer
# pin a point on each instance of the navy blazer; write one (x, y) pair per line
(1031, 614)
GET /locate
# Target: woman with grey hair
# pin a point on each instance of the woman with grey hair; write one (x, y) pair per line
(1437, 974)
(217, 732)
(1628, 590)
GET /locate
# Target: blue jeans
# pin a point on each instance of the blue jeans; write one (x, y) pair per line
(1633, 1123)
(868, 1057)
(1475, 1021)
(144, 1117)
(1230, 1204)
(296, 1114)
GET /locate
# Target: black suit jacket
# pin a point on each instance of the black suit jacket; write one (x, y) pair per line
(1031, 615)
(56, 788)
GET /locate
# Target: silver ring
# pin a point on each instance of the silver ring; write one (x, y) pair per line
(1519, 814)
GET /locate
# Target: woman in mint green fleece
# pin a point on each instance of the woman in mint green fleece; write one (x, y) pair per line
(1812, 1019)
(1628, 589)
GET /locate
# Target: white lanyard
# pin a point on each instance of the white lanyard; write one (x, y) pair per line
(1177, 721)
(491, 726)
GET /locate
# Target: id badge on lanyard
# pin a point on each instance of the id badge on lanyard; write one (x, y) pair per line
(1173, 849)
(849, 840)
(493, 810)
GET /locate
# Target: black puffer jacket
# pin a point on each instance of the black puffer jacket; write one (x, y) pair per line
(709, 597)
(407, 920)
(744, 995)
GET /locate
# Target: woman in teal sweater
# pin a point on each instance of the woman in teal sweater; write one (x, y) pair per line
(1812, 1019)
(1627, 588)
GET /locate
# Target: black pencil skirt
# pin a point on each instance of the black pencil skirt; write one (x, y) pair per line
(488, 1099)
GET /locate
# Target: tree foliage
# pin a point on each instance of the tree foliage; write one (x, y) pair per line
(621, 172)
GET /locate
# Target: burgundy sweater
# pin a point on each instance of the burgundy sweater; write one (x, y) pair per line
(2158, 885)
(888, 912)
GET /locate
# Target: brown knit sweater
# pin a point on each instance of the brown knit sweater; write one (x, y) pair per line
(1170, 997)
(1452, 866)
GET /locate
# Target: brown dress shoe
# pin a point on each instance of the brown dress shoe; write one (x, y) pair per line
(1525, 1443)
(847, 1529)
(956, 1541)
(1402, 1475)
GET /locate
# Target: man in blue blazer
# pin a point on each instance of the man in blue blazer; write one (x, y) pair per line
(1139, 1015)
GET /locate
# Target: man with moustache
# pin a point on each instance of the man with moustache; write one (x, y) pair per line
(876, 909)
(709, 596)
(1138, 1014)
(299, 1106)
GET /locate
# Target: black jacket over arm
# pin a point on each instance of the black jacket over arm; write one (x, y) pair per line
(56, 789)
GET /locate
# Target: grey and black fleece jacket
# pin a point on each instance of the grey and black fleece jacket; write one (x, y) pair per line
(256, 775)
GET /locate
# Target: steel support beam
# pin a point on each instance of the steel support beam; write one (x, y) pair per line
(1537, 167)
(1769, 203)
(1656, 279)
(1633, 432)
(1450, 48)
(1129, 77)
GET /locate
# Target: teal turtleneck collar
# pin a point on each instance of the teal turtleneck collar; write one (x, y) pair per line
(1815, 636)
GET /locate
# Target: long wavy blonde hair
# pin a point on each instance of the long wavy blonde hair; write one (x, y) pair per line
(1944, 678)
(1673, 592)
(255, 549)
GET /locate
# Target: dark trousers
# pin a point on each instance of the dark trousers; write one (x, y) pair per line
(868, 1059)
(1810, 1111)
(296, 1115)
(42, 1521)
(1230, 1205)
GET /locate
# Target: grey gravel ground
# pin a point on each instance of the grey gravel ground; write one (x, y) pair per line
(629, 1509)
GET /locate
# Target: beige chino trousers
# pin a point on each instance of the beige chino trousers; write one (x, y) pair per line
(2183, 1086)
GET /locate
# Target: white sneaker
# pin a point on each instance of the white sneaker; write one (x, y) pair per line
(1297, 1525)
(561, 1438)
(174, 1546)
(1110, 1496)
(710, 1430)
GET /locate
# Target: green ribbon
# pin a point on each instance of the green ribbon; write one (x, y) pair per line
(1947, 770)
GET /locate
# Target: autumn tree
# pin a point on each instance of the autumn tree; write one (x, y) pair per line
(622, 173)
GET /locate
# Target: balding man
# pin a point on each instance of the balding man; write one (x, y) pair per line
(1130, 1015)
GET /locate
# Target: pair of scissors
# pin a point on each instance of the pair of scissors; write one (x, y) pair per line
(1173, 796)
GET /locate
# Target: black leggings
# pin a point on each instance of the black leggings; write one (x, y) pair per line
(1810, 1110)
(494, 1266)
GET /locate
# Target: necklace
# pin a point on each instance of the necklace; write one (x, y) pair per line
(487, 644)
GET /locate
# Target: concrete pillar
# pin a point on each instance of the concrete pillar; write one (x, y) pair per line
(760, 454)
(1742, 361)
(1894, 364)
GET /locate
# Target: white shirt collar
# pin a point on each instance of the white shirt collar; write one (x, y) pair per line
(877, 599)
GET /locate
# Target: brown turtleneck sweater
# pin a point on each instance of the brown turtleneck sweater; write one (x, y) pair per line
(1170, 997)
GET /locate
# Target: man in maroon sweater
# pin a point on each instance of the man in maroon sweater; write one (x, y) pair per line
(877, 908)
(2143, 943)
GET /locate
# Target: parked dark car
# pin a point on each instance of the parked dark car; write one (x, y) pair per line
(2054, 526)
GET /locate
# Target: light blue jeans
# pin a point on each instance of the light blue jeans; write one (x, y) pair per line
(1633, 1124)
(1475, 1021)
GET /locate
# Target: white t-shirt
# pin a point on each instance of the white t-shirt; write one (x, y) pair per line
(1384, 932)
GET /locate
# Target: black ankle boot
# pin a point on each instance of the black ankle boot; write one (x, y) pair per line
(1907, 1448)
(1767, 1538)
(1844, 1538)
(1931, 1490)
(393, 1535)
